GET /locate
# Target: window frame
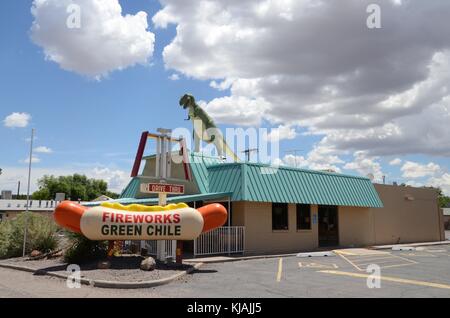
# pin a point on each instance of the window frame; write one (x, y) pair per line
(298, 210)
(285, 210)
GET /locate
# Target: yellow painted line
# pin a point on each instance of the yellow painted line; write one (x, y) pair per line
(436, 251)
(280, 269)
(317, 265)
(398, 265)
(346, 253)
(345, 258)
(390, 279)
(418, 255)
(387, 262)
(406, 259)
(372, 259)
(360, 252)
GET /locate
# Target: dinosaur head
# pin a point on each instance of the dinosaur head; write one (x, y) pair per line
(187, 101)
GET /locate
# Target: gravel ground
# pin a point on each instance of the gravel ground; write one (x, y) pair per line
(122, 269)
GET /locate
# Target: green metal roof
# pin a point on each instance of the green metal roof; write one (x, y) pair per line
(265, 183)
(199, 167)
(170, 199)
(131, 189)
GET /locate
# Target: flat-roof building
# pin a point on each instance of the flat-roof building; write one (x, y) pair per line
(283, 209)
(10, 208)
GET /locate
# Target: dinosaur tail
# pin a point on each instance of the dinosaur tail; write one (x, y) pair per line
(230, 153)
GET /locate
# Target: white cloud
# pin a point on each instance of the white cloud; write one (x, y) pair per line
(366, 165)
(17, 120)
(415, 184)
(223, 85)
(116, 179)
(442, 182)
(43, 149)
(280, 133)
(416, 170)
(385, 92)
(294, 161)
(34, 159)
(106, 40)
(395, 162)
(320, 158)
(236, 110)
(174, 77)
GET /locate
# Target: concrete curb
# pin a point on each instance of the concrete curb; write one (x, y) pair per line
(18, 268)
(106, 283)
(317, 254)
(238, 259)
(385, 247)
(147, 284)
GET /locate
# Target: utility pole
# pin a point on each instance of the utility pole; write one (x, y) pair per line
(28, 194)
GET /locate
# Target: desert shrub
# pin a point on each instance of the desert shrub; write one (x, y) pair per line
(40, 235)
(82, 249)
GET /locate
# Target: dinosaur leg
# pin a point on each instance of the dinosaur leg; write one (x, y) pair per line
(218, 142)
(196, 143)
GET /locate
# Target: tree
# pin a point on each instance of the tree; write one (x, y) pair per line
(75, 187)
(443, 199)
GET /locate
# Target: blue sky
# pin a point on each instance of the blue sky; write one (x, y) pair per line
(93, 125)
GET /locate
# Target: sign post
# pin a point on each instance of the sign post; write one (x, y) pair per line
(163, 189)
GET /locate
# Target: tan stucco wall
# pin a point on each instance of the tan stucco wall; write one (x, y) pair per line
(238, 215)
(399, 221)
(405, 221)
(355, 226)
(260, 238)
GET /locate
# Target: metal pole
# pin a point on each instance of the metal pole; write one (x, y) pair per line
(28, 194)
(229, 226)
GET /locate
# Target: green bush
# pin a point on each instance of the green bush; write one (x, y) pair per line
(83, 249)
(40, 235)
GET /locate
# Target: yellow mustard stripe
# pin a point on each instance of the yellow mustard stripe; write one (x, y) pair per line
(143, 208)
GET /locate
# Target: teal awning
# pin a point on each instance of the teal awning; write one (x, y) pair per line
(265, 183)
(172, 199)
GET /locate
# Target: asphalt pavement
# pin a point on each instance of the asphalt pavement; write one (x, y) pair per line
(420, 273)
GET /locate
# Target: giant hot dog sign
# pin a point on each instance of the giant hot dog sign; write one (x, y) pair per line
(113, 221)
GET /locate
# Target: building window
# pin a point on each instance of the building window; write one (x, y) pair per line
(280, 216)
(303, 217)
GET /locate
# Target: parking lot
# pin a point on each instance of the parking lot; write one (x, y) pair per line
(420, 273)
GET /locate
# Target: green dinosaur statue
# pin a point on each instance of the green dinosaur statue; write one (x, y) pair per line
(204, 128)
